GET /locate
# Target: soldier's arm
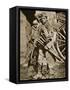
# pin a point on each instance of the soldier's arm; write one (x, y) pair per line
(45, 30)
(53, 39)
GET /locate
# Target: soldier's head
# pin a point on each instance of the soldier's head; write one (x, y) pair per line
(43, 19)
(41, 16)
(38, 15)
(35, 23)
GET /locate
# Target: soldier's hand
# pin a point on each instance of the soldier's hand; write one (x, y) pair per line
(49, 44)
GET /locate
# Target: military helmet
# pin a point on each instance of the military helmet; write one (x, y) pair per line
(35, 22)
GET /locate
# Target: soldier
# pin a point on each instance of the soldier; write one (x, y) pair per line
(37, 53)
(46, 31)
(40, 60)
(35, 49)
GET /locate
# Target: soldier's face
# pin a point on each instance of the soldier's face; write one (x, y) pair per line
(44, 20)
(35, 26)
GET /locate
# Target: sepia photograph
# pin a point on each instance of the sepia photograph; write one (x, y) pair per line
(43, 49)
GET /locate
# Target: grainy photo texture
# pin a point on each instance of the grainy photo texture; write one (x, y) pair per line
(42, 44)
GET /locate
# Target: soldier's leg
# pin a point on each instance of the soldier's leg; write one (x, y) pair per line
(39, 75)
(47, 63)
